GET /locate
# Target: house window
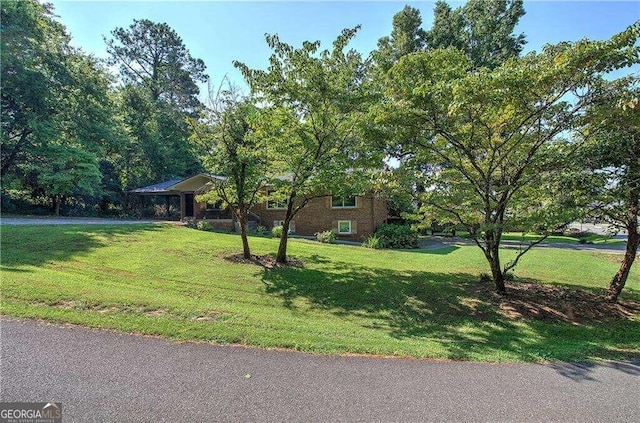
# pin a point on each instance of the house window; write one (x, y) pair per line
(278, 223)
(343, 202)
(213, 205)
(275, 204)
(344, 227)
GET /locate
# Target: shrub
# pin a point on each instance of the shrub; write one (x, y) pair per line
(372, 241)
(326, 237)
(260, 230)
(190, 222)
(397, 236)
(203, 225)
(276, 231)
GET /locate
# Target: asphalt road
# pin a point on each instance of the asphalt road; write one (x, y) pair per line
(103, 376)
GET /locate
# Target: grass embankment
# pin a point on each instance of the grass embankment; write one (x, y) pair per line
(178, 283)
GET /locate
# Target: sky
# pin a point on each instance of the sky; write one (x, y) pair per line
(220, 32)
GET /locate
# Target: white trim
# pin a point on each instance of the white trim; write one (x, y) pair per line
(344, 233)
(355, 197)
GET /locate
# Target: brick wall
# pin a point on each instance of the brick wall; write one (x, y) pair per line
(318, 216)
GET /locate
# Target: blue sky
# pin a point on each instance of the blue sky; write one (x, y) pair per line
(220, 32)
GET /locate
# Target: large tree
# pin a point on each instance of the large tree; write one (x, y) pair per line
(161, 91)
(315, 104)
(494, 134)
(483, 29)
(611, 158)
(33, 57)
(232, 150)
(407, 36)
(55, 101)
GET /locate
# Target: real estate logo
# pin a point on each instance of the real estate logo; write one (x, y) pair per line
(30, 412)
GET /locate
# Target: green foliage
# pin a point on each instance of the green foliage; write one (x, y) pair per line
(326, 237)
(316, 105)
(492, 136)
(406, 37)
(372, 241)
(260, 230)
(609, 165)
(160, 92)
(396, 236)
(203, 225)
(276, 231)
(229, 147)
(57, 109)
(483, 29)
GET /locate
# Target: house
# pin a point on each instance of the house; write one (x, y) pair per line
(351, 218)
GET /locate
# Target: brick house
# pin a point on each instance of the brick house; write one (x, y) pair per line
(351, 218)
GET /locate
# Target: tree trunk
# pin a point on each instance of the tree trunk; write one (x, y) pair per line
(56, 205)
(282, 248)
(492, 253)
(620, 278)
(242, 223)
(281, 257)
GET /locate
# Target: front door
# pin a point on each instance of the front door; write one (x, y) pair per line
(188, 205)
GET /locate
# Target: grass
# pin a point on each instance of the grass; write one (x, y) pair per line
(176, 282)
(555, 239)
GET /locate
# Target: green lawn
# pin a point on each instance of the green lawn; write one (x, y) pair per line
(176, 282)
(555, 239)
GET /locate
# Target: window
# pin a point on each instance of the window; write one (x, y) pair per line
(344, 227)
(343, 202)
(278, 223)
(213, 205)
(275, 204)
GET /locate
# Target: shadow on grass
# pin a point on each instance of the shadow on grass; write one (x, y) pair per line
(450, 309)
(37, 245)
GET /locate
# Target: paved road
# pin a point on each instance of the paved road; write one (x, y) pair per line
(104, 376)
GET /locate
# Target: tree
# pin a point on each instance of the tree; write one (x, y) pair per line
(315, 104)
(483, 29)
(406, 37)
(64, 171)
(611, 158)
(159, 94)
(231, 149)
(494, 133)
(153, 56)
(54, 99)
(33, 56)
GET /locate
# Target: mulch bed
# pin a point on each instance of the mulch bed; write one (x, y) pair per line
(266, 261)
(556, 303)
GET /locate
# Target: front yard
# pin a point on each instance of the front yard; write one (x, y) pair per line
(181, 283)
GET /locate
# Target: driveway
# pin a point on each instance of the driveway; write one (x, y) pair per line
(103, 376)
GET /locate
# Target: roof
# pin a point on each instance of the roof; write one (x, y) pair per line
(159, 189)
(196, 182)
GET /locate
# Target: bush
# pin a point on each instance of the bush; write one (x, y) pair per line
(276, 231)
(397, 236)
(326, 237)
(203, 225)
(372, 241)
(260, 230)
